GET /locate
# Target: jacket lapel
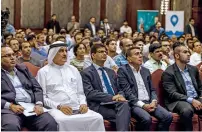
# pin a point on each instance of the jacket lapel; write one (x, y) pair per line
(97, 77)
(7, 80)
(180, 78)
(191, 73)
(132, 77)
(144, 77)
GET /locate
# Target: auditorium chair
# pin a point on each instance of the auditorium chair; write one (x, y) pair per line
(32, 68)
(157, 84)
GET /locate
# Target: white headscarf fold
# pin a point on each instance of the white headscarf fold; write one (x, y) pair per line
(53, 51)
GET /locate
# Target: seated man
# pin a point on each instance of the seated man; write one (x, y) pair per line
(63, 91)
(155, 62)
(14, 45)
(135, 81)
(182, 85)
(125, 44)
(26, 52)
(18, 85)
(100, 87)
(195, 58)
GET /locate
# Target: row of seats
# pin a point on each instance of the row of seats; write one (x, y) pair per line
(156, 79)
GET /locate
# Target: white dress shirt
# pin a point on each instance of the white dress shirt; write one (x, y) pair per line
(126, 29)
(93, 29)
(195, 59)
(153, 65)
(142, 91)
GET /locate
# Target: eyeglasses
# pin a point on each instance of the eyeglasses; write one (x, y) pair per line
(166, 45)
(9, 55)
(102, 51)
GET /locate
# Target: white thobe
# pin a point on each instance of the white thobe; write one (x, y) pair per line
(62, 85)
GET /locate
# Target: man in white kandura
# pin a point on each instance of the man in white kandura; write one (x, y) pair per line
(63, 92)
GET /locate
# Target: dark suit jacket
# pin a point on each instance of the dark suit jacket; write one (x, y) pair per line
(188, 30)
(88, 25)
(52, 23)
(128, 85)
(174, 85)
(30, 84)
(93, 87)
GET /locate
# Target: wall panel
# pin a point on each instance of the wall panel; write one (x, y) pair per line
(10, 5)
(63, 9)
(89, 8)
(32, 13)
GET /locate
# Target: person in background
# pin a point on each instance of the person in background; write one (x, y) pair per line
(91, 26)
(166, 52)
(71, 26)
(26, 54)
(101, 90)
(156, 19)
(45, 31)
(126, 28)
(145, 51)
(53, 24)
(49, 39)
(50, 31)
(101, 34)
(196, 58)
(79, 52)
(14, 45)
(40, 39)
(120, 59)
(19, 37)
(189, 45)
(158, 30)
(190, 28)
(181, 39)
(87, 33)
(10, 29)
(86, 42)
(140, 43)
(106, 26)
(111, 47)
(7, 37)
(155, 62)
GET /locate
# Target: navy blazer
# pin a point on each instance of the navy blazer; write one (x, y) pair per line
(174, 85)
(88, 25)
(128, 85)
(93, 87)
(31, 86)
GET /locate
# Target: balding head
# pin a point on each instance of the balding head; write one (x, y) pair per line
(125, 44)
(8, 59)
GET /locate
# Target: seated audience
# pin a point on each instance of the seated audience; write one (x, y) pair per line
(7, 38)
(26, 54)
(166, 52)
(19, 37)
(71, 26)
(155, 62)
(63, 92)
(111, 47)
(125, 28)
(79, 52)
(196, 58)
(135, 82)
(190, 45)
(125, 44)
(18, 85)
(100, 87)
(14, 45)
(182, 86)
(140, 43)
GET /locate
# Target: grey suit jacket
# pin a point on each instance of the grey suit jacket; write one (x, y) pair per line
(174, 85)
(30, 84)
(93, 87)
(71, 28)
(128, 85)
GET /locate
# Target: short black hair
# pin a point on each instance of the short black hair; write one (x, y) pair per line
(109, 41)
(7, 34)
(191, 19)
(53, 15)
(138, 40)
(189, 40)
(177, 44)
(30, 37)
(195, 42)
(181, 37)
(76, 48)
(20, 46)
(60, 37)
(153, 47)
(95, 47)
(128, 53)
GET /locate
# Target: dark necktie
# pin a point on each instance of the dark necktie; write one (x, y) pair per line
(106, 82)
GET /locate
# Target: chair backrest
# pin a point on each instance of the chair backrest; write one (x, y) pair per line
(32, 68)
(157, 84)
(200, 72)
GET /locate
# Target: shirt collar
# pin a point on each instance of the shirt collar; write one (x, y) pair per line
(185, 70)
(96, 66)
(15, 70)
(133, 69)
(155, 62)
